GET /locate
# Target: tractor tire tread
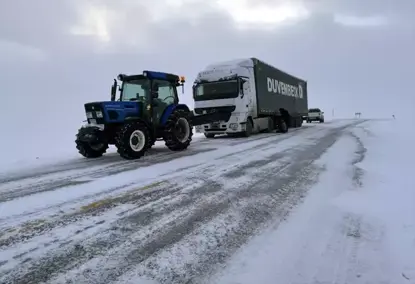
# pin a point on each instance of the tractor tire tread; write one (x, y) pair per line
(170, 140)
(86, 150)
(122, 140)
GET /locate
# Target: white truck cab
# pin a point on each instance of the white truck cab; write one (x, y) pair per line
(228, 86)
(315, 114)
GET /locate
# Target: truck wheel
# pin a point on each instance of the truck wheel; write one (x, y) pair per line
(322, 121)
(248, 130)
(282, 126)
(178, 131)
(133, 140)
(89, 150)
(209, 135)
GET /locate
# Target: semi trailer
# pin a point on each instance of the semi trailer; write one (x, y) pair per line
(260, 98)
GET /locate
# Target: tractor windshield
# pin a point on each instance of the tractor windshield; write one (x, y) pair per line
(135, 90)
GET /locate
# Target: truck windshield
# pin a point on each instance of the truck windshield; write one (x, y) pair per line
(216, 90)
(135, 90)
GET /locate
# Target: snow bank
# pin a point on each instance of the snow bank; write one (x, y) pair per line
(389, 191)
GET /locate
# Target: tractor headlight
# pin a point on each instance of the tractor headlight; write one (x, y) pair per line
(89, 114)
(99, 114)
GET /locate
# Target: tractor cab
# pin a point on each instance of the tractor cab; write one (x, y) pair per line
(153, 91)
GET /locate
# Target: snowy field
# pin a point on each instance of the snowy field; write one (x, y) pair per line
(326, 203)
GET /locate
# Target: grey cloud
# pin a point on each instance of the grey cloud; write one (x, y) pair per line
(35, 22)
(367, 7)
(348, 69)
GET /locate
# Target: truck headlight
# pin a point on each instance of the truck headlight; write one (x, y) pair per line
(233, 126)
(89, 114)
(99, 114)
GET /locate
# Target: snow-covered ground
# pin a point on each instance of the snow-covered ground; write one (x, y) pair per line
(325, 203)
(357, 225)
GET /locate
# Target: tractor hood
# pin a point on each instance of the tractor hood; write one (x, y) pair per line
(112, 111)
(113, 104)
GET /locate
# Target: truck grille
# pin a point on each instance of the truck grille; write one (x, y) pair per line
(215, 109)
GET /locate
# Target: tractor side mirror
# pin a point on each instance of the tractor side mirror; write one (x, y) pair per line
(113, 90)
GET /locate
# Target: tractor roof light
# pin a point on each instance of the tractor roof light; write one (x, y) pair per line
(182, 79)
(155, 75)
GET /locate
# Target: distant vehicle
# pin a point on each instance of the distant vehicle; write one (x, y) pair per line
(260, 97)
(315, 114)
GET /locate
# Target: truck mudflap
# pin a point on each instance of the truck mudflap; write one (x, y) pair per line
(90, 134)
(210, 117)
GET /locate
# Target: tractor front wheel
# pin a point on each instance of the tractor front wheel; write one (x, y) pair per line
(178, 131)
(89, 149)
(133, 140)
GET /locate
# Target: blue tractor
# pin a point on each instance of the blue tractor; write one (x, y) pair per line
(147, 109)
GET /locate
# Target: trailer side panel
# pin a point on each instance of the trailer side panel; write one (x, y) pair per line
(276, 89)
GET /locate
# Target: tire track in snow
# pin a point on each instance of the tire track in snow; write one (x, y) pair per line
(255, 203)
(196, 207)
(114, 160)
(231, 161)
(21, 188)
(269, 138)
(58, 177)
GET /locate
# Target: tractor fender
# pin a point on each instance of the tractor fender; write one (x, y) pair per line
(169, 110)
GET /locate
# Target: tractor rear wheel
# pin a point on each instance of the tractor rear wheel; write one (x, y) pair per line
(133, 140)
(89, 150)
(178, 131)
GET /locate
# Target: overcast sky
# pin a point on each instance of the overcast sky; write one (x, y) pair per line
(357, 55)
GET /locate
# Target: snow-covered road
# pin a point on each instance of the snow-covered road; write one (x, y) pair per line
(291, 208)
